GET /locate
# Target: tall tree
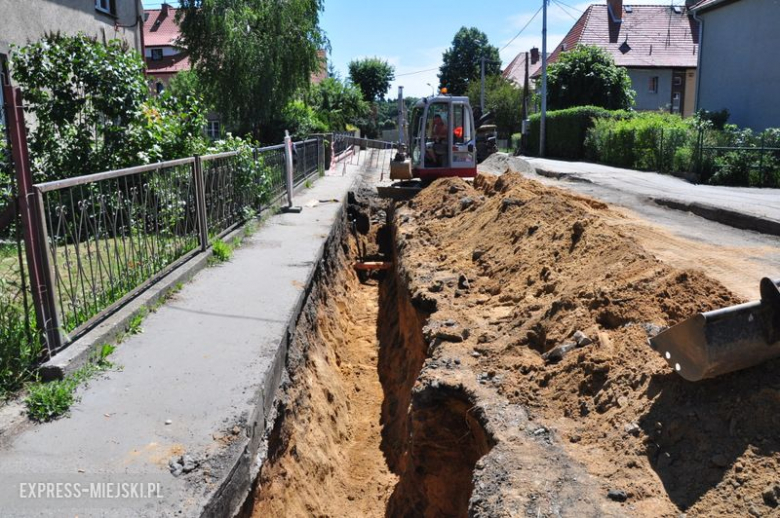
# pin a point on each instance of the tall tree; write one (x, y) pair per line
(252, 55)
(504, 100)
(462, 62)
(587, 75)
(373, 76)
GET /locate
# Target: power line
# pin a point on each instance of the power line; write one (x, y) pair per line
(521, 30)
(562, 8)
(567, 5)
(418, 72)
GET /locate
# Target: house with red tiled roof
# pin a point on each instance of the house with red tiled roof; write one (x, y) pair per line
(165, 57)
(657, 44)
(516, 70)
(739, 69)
(163, 54)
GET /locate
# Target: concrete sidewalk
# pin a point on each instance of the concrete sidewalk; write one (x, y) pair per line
(741, 207)
(199, 381)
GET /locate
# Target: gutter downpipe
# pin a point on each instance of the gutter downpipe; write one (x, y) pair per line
(698, 60)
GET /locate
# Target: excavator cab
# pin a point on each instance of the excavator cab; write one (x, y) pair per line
(442, 138)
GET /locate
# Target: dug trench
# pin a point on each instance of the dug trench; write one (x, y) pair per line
(500, 367)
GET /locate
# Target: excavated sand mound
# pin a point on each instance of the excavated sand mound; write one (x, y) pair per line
(522, 272)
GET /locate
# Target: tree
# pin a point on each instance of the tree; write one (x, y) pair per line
(587, 76)
(373, 76)
(252, 56)
(504, 100)
(93, 112)
(86, 97)
(336, 103)
(462, 62)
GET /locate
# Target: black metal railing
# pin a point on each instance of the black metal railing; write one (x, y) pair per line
(109, 235)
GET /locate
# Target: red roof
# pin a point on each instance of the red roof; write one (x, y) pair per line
(515, 71)
(653, 36)
(160, 27)
(168, 64)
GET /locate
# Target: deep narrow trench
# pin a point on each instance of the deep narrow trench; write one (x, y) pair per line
(356, 435)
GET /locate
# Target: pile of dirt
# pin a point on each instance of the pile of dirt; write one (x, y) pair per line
(543, 304)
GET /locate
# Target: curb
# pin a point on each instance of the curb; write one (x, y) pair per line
(724, 216)
(572, 177)
(720, 215)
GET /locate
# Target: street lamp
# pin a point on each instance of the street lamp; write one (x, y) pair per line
(433, 91)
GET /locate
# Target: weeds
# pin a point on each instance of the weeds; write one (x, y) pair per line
(220, 252)
(134, 326)
(47, 401)
(308, 184)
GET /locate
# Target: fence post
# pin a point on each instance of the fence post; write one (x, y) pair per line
(288, 156)
(33, 225)
(761, 171)
(200, 203)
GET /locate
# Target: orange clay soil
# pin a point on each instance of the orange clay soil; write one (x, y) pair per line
(510, 269)
(325, 457)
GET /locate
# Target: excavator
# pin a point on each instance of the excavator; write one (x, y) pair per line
(442, 139)
(710, 344)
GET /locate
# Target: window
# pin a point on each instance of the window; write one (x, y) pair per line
(106, 6)
(157, 54)
(461, 130)
(678, 81)
(653, 85)
(212, 129)
(160, 87)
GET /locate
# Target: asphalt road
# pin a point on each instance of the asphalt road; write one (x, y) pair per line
(748, 200)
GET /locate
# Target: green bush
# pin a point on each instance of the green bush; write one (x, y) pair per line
(743, 166)
(567, 129)
(647, 141)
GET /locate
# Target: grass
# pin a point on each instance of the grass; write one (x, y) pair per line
(47, 401)
(134, 326)
(220, 252)
(308, 184)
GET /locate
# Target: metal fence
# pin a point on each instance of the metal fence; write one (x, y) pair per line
(307, 159)
(756, 162)
(378, 153)
(110, 235)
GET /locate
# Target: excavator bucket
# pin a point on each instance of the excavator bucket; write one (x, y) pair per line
(725, 340)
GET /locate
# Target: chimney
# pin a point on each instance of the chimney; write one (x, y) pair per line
(164, 10)
(616, 10)
(534, 55)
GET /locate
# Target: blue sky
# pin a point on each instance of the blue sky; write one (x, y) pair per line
(412, 35)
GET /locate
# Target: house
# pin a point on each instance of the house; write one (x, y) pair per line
(739, 69)
(520, 70)
(165, 56)
(162, 51)
(658, 46)
(23, 22)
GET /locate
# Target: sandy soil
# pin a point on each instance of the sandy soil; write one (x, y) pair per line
(523, 267)
(326, 457)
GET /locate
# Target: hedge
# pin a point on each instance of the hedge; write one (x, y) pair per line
(567, 129)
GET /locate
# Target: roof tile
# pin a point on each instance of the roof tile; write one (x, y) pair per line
(653, 36)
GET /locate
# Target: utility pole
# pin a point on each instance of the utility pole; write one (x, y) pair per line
(543, 121)
(482, 90)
